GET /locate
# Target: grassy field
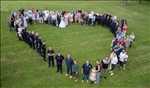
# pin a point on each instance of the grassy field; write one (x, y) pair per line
(22, 67)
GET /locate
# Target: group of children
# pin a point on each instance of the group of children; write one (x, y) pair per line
(19, 21)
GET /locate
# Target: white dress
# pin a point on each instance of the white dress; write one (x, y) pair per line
(62, 23)
(93, 75)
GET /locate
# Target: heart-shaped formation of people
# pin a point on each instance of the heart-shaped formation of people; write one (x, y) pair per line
(19, 21)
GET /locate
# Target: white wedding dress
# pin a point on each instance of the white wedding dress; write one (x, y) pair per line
(62, 23)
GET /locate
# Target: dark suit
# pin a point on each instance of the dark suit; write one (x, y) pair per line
(43, 51)
(50, 54)
(59, 61)
(69, 63)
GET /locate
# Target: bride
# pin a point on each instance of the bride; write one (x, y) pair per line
(62, 23)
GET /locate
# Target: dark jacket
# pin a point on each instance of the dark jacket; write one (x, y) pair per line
(59, 59)
(86, 68)
(69, 62)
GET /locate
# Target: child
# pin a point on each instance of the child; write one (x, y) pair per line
(92, 76)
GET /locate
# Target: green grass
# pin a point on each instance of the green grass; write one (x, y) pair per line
(22, 67)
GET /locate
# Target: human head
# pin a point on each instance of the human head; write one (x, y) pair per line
(75, 62)
(87, 62)
(58, 53)
(106, 58)
(36, 34)
(68, 55)
(33, 32)
(50, 48)
(94, 68)
(97, 62)
(44, 43)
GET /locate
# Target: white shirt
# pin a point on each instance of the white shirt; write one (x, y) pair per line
(106, 61)
(20, 29)
(91, 16)
(54, 17)
(46, 14)
(30, 13)
(132, 36)
(123, 57)
(114, 59)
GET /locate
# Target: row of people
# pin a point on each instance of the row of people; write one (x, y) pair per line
(34, 41)
(62, 18)
(89, 72)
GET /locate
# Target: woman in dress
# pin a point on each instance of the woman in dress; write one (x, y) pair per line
(113, 62)
(92, 76)
(62, 23)
(75, 70)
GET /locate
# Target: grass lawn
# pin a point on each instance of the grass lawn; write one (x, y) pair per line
(22, 67)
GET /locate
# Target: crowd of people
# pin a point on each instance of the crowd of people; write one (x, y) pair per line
(19, 21)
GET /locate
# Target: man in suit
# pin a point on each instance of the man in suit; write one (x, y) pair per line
(59, 61)
(43, 51)
(86, 70)
(32, 38)
(69, 63)
(39, 45)
(36, 36)
(11, 22)
(50, 56)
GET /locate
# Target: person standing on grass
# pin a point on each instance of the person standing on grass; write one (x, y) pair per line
(32, 38)
(29, 13)
(130, 39)
(45, 16)
(123, 59)
(75, 70)
(43, 51)
(50, 55)
(113, 62)
(39, 45)
(54, 18)
(58, 19)
(11, 21)
(98, 71)
(62, 23)
(19, 32)
(36, 36)
(41, 17)
(92, 75)
(86, 71)
(59, 61)
(69, 63)
(104, 65)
